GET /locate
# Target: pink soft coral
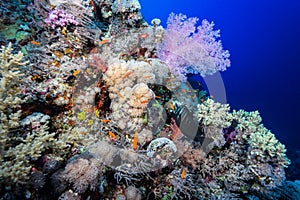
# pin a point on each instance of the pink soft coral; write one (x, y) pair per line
(187, 49)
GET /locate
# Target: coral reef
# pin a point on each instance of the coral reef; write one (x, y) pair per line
(102, 109)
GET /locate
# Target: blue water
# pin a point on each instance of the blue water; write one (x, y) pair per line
(263, 38)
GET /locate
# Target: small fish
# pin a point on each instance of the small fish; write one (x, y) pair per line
(76, 72)
(104, 41)
(97, 112)
(184, 90)
(113, 137)
(172, 106)
(144, 35)
(182, 173)
(35, 77)
(35, 42)
(157, 97)
(127, 74)
(105, 120)
(145, 101)
(56, 63)
(65, 95)
(135, 141)
(71, 122)
(58, 54)
(68, 50)
(64, 31)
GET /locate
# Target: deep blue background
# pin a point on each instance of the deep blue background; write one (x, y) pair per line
(263, 37)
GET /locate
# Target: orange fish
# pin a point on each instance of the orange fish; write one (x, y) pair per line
(64, 31)
(113, 137)
(56, 63)
(105, 120)
(145, 101)
(104, 41)
(135, 141)
(127, 74)
(172, 106)
(182, 173)
(144, 35)
(184, 90)
(65, 96)
(157, 97)
(58, 54)
(35, 42)
(71, 122)
(76, 72)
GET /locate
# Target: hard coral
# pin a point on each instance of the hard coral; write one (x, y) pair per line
(128, 91)
(10, 101)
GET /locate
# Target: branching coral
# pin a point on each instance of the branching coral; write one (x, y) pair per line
(17, 165)
(264, 146)
(253, 154)
(10, 69)
(186, 51)
(181, 185)
(214, 117)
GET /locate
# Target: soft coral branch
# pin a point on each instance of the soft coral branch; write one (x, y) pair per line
(187, 49)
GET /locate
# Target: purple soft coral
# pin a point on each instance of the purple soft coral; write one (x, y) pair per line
(186, 50)
(60, 18)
